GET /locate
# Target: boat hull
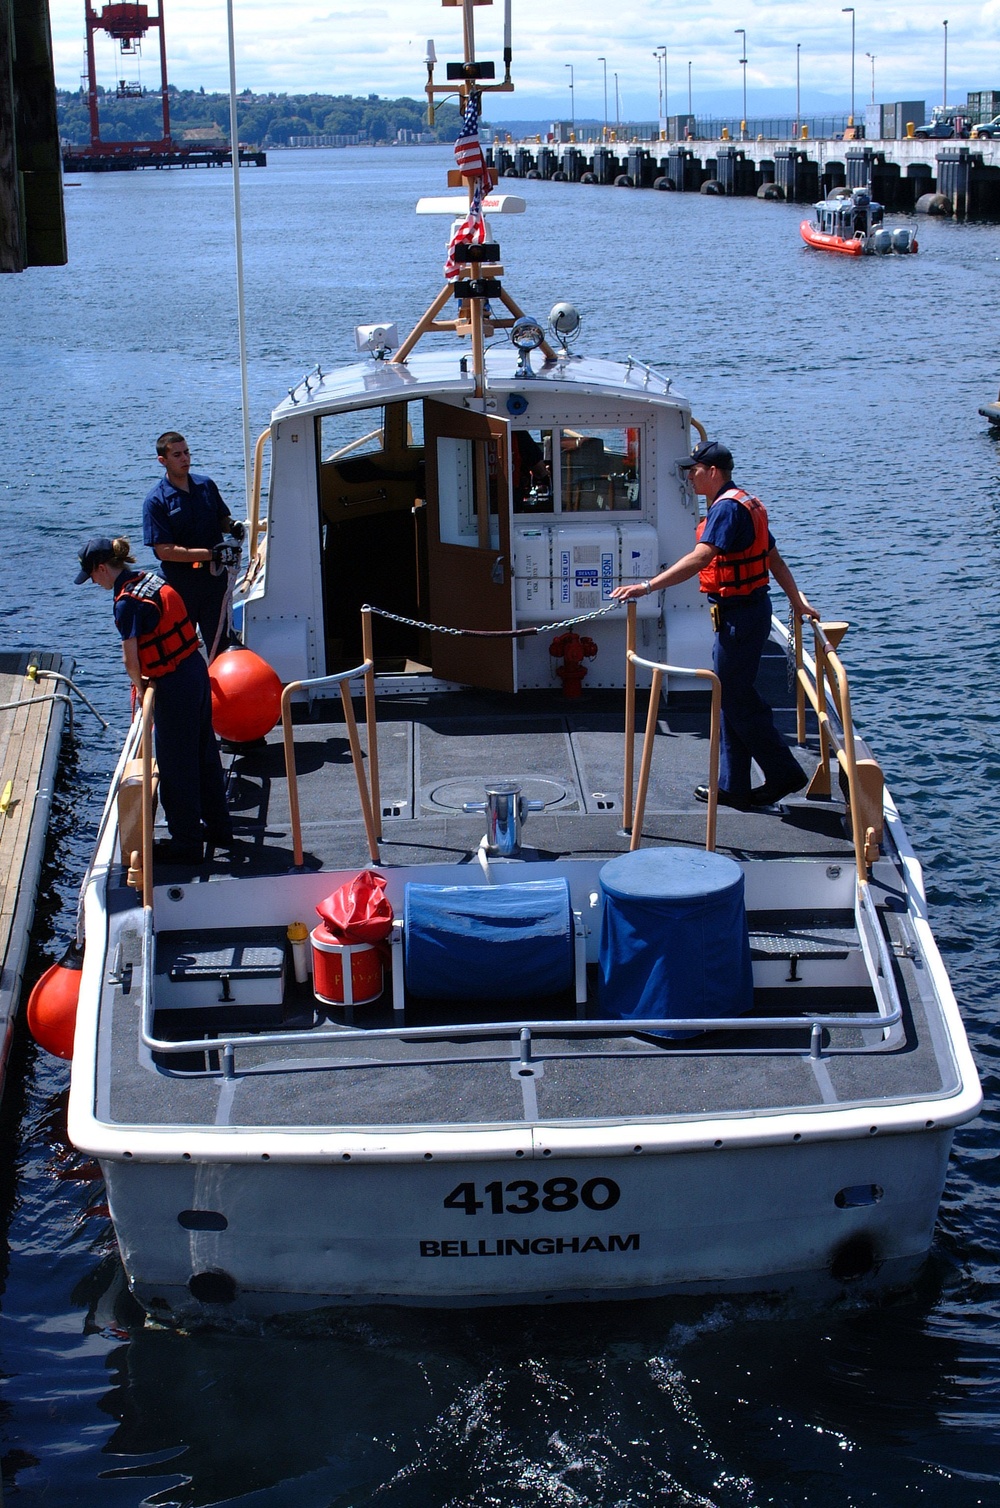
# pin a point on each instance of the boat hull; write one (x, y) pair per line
(824, 242)
(218, 1242)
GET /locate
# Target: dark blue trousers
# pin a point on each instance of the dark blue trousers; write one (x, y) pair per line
(748, 730)
(192, 785)
(204, 596)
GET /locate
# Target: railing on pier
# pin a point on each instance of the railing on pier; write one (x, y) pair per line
(633, 823)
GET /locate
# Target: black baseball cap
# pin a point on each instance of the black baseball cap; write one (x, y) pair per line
(709, 453)
(94, 553)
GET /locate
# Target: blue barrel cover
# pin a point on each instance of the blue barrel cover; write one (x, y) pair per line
(488, 942)
(674, 939)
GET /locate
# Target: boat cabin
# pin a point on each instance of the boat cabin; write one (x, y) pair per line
(849, 217)
(395, 486)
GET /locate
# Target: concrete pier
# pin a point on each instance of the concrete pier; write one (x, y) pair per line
(898, 173)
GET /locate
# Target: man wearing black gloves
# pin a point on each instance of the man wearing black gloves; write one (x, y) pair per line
(184, 519)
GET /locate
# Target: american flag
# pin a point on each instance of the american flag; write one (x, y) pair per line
(471, 232)
(468, 152)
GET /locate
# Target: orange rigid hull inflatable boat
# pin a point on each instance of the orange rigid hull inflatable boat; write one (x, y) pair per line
(850, 222)
(813, 236)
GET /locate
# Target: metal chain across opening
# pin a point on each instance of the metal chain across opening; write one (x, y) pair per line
(492, 633)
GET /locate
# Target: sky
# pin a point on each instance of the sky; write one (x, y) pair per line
(347, 47)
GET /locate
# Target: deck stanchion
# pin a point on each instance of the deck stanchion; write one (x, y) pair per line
(288, 739)
(658, 672)
(147, 796)
(647, 755)
(629, 718)
(359, 773)
(800, 695)
(714, 741)
(370, 718)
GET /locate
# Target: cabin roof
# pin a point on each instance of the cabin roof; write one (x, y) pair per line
(429, 373)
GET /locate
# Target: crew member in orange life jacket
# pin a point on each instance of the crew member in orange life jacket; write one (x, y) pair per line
(160, 644)
(733, 555)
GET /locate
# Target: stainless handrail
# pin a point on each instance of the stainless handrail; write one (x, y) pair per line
(227, 1043)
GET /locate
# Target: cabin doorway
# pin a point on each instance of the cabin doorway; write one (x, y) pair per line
(470, 576)
(415, 519)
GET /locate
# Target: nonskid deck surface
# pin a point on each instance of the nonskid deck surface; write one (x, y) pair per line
(434, 751)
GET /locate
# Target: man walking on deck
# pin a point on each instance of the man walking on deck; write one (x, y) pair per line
(734, 553)
(184, 519)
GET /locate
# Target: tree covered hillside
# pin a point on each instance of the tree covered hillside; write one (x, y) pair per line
(265, 120)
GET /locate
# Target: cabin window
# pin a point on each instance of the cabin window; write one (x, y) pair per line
(415, 426)
(600, 470)
(531, 470)
(457, 492)
(357, 433)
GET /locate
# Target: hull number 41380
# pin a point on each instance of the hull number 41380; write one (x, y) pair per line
(522, 1197)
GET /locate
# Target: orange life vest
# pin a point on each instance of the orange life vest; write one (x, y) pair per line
(175, 636)
(743, 571)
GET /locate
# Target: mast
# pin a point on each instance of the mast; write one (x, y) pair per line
(481, 284)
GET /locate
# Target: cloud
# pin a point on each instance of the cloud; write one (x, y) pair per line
(319, 45)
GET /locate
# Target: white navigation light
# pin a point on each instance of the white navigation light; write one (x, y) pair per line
(378, 339)
(527, 335)
(564, 322)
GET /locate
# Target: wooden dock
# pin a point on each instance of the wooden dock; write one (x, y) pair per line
(30, 739)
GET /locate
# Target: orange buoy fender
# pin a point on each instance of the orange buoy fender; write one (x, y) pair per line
(52, 1004)
(246, 696)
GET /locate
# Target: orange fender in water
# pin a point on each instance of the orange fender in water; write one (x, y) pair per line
(246, 696)
(52, 1004)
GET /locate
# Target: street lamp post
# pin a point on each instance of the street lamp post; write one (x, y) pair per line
(666, 91)
(618, 112)
(690, 110)
(944, 101)
(605, 62)
(740, 31)
(661, 78)
(845, 9)
(572, 103)
(872, 56)
(798, 90)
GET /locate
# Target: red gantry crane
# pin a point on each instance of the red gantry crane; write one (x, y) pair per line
(128, 21)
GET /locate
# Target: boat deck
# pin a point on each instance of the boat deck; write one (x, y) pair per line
(435, 752)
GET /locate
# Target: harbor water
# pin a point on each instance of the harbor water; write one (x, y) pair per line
(848, 393)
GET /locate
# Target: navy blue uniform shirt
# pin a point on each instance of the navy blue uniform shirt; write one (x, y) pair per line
(133, 618)
(194, 519)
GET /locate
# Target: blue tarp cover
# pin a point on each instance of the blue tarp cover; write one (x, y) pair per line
(674, 939)
(488, 942)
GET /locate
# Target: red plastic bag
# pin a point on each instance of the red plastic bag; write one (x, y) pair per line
(358, 912)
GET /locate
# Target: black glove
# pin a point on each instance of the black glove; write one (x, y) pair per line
(225, 555)
(237, 530)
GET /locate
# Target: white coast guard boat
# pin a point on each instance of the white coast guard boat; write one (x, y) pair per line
(627, 1045)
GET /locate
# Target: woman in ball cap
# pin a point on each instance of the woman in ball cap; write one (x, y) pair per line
(160, 645)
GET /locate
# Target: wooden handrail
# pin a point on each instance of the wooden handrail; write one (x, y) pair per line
(659, 670)
(255, 483)
(288, 739)
(148, 702)
(830, 672)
